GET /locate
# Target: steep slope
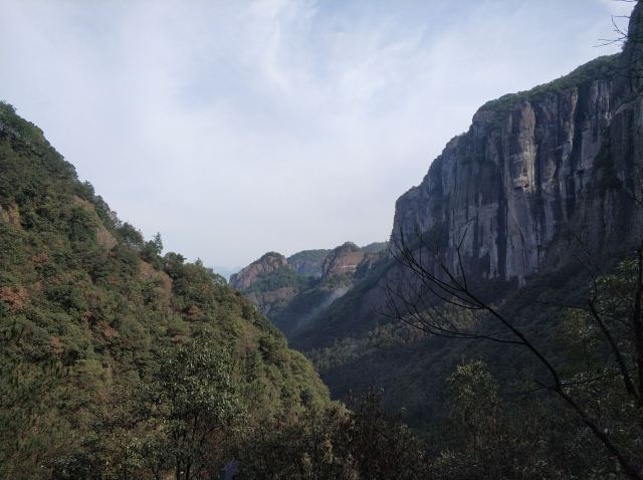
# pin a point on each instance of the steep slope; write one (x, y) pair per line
(92, 321)
(515, 180)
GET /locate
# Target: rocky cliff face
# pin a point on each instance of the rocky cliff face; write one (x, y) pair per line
(540, 173)
(270, 283)
(514, 181)
(611, 211)
(269, 263)
(343, 260)
(308, 262)
(293, 292)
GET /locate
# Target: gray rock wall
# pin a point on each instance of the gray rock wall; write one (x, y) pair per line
(510, 184)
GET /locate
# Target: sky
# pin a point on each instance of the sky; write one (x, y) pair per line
(238, 127)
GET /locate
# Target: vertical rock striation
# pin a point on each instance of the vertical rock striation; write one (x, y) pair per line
(515, 180)
(538, 168)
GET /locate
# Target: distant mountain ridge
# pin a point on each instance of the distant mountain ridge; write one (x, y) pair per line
(305, 283)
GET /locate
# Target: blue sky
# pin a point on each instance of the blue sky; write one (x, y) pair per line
(239, 127)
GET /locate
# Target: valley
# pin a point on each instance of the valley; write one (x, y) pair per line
(497, 333)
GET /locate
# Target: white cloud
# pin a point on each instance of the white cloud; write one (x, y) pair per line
(240, 127)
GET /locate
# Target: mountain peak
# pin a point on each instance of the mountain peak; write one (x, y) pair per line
(269, 263)
(343, 260)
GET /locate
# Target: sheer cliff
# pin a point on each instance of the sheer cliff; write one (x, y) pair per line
(516, 178)
(536, 168)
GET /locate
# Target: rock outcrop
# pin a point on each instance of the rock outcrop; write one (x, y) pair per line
(540, 173)
(517, 178)
(270, 283)
(293, 292)
(270, 262)
(343, 260)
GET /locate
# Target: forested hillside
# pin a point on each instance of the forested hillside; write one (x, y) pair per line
(121, 362)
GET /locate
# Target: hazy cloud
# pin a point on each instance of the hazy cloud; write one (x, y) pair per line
(234, 128)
